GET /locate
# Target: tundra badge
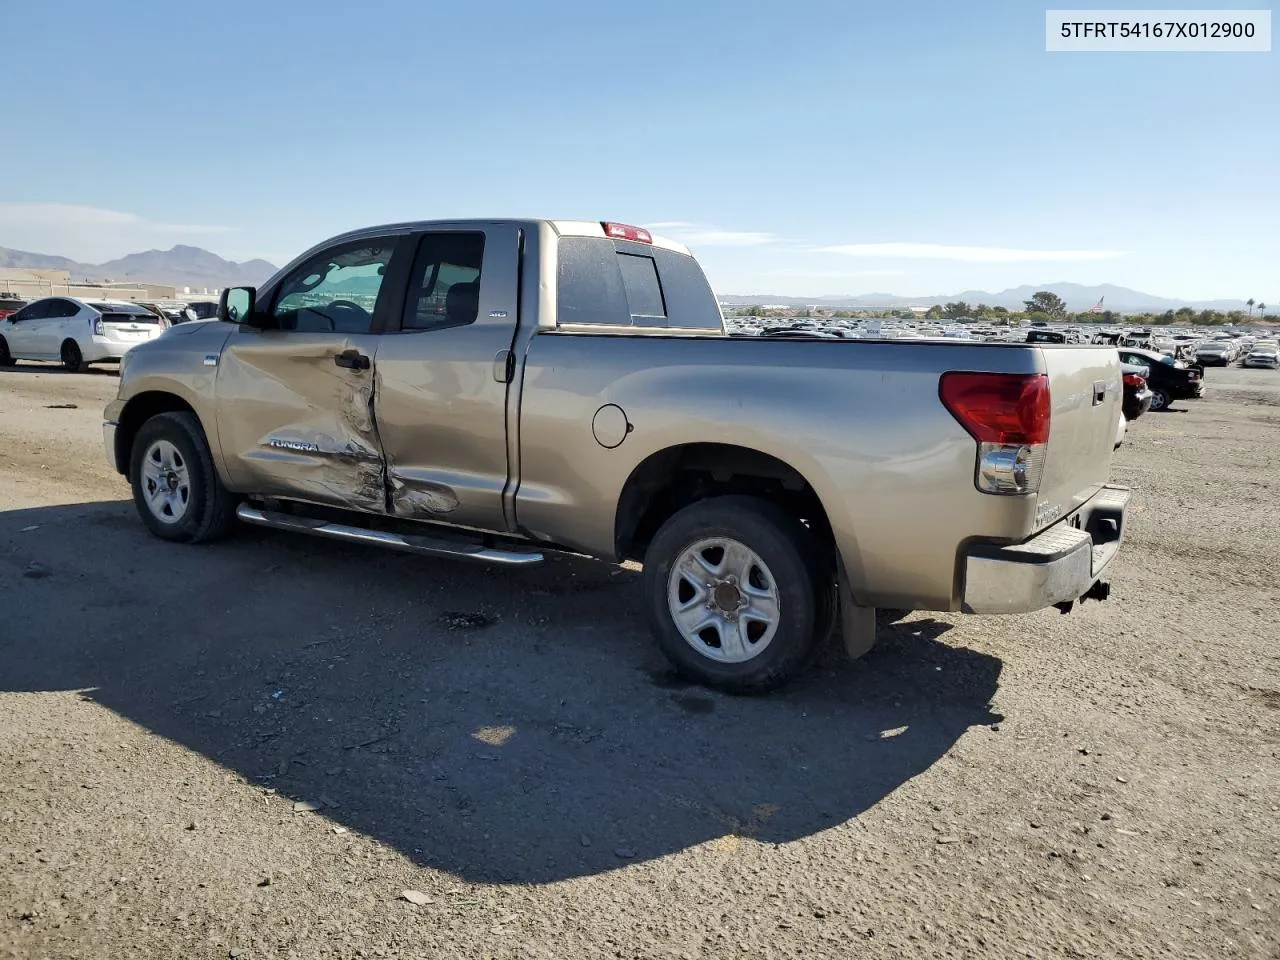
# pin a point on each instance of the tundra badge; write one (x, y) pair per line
(302, 446)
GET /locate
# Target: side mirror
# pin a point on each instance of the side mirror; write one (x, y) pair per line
(238, 304)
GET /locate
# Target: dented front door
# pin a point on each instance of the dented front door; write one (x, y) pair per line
(295, 394)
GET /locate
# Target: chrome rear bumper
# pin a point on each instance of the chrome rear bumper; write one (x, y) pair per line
(1057, 565)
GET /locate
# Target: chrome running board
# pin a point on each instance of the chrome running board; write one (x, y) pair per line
(408, 543)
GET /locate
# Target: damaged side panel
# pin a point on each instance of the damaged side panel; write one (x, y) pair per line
(441, 420)
(294, 423)
(442, 394)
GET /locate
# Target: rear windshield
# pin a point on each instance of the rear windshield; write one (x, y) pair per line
(620, 283)
(133, 312)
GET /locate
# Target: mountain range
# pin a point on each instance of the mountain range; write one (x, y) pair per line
(180, 266)
(1077, 296)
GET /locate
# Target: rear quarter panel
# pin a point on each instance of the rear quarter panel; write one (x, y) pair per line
(860, 420)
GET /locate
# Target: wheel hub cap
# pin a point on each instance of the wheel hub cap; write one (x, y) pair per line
(723, 600)
(727, 597)
(165, 482)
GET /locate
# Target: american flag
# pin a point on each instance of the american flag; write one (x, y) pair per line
(1097, 307)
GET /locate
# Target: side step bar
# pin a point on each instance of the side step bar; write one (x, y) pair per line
(409, 543)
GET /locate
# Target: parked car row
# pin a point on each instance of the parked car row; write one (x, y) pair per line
(1264, 354)
(180, 311)
(1226, 350)
(77, 332)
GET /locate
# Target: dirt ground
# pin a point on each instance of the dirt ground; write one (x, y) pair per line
(510, 748)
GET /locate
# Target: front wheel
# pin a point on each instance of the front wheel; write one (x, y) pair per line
(1160, 400)
(735, 594)
(6, 358)
(175, 486)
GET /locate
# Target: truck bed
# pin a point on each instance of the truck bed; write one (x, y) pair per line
(882, 452)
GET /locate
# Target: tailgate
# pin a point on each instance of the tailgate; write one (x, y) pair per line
(1086, 393)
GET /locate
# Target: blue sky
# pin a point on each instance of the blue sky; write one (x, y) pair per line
(787, 143)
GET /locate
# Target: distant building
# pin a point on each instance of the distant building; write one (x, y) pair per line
(32, 284)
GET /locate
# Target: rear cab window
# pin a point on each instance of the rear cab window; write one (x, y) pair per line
(444, 285)
(622, 283)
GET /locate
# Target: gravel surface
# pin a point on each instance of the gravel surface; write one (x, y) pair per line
(279, 746)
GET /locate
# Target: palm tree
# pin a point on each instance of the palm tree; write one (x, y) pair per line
(1250, 303)
(1262, 308)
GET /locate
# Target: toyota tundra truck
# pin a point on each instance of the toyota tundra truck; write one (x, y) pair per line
(496, 390)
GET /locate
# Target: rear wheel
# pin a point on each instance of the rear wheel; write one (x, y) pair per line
(1160, 400)
(6, 358)
(735, 594)
(72, 358)
(175, 486)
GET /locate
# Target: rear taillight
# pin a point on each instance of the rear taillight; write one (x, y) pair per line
(98, 329)
(1134, 380)
(624, 231)
(1008, 414)
(999, 407)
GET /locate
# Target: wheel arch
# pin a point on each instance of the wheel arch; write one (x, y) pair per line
(675, 477)
(138, 410)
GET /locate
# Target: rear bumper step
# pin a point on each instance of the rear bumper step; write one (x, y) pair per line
(407, 543)
(1057, 566)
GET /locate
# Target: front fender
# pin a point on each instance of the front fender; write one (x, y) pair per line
(180, 364)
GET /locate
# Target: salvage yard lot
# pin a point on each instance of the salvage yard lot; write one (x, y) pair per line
(511, 746)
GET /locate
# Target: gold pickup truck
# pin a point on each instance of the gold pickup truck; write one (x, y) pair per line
(497, 389)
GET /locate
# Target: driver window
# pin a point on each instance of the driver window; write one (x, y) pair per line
(335, 291)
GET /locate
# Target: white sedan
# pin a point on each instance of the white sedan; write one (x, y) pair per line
(1264, 355)
(75, 332)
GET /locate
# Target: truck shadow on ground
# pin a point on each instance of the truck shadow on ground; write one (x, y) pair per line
(505, 727)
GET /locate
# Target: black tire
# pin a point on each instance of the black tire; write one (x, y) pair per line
(72, 358)
(800, 572)
(210, 510)
(1160, 400)
(6, 358)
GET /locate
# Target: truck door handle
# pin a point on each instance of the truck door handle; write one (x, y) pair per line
(352, 360)
(1099, 392)
(503, 366)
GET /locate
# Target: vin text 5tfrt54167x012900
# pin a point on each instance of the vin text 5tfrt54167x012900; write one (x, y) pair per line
(497, 389)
